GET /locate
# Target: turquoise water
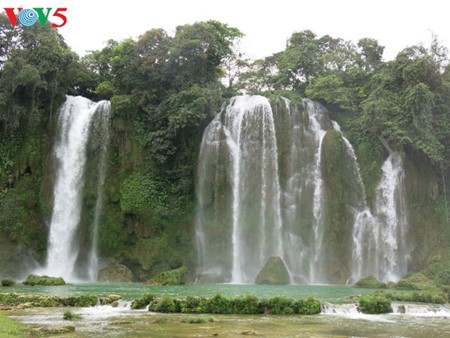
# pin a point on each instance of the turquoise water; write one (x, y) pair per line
(129, 291)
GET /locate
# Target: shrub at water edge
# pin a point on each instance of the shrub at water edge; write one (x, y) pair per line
(375, 304)
(219, 304)
(8, 282)
(142, 302)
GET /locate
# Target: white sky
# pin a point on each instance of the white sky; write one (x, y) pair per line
(267, 25)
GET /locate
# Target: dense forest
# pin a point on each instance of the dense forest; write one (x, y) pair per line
(164, 91)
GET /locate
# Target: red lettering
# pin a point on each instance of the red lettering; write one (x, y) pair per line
(61, 16)
(12, 16)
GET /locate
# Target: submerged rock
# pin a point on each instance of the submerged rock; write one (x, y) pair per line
(118, 273)
(274, 272)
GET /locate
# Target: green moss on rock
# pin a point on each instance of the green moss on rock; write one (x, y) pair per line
(44, 280)
(415, 281)
(370, 282)
(274, 272)
(172, 277)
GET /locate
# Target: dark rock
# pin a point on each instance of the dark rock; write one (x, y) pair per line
(115, 274)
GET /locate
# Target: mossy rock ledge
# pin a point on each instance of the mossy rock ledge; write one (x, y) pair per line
(370, 282)
(273, 272)
(43, 280)
(118, 273)
(415, 281)
(171, 277)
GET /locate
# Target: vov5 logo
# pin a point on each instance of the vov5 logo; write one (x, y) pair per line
(29, 16)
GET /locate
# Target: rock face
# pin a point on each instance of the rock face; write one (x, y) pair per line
(115, 274)
(274, 272)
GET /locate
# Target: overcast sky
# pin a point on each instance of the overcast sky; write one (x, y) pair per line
(267, 25)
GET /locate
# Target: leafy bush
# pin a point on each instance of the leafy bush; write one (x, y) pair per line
(309, 306)
(142, 302)
(8, 282)
(194, 305)
(247, 305)
(164, 304)
(375, 303)
(80, 301)
(280, 306)
(219, 304)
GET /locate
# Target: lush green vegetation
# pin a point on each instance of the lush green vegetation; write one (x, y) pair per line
(219, 304)
(11, 328)
(165, 89)
(375, 304)
(14, 299)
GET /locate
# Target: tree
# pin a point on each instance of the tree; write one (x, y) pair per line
(198, 51)
(300, 62)
(371, 53)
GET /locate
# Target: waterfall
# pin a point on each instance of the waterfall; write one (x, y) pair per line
(239, 166)
(379, 238)
(392, 219)
(103, 127)
(261, 192)
(315, 112)
(250, 133)
(74, 125)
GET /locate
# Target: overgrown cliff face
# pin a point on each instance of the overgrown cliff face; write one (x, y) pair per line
(146, 223)
(25, 198)
(339, 188)
(429, 231)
